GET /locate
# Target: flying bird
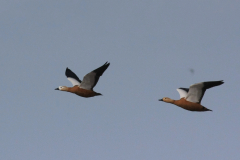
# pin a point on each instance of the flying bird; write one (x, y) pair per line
(190, 99)
(85, 87)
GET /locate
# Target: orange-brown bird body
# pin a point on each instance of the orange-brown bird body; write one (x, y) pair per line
(183, 103)
(82, 92)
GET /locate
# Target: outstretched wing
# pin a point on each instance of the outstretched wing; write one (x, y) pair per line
(91, 79)
(183, 92)
(72, 77)
(196, 91)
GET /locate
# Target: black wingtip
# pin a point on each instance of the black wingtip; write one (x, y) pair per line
(67, 71)
(71, 74)
(220, 82)
(106, 64)
(185, 89)
(211, 84)
(99, 71)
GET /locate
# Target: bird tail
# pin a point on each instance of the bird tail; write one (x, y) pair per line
(98, 94)
(206, 109)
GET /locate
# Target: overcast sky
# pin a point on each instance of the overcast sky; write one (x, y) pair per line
(152, 47)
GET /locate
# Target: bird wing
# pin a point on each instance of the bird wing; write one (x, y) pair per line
(91, 79)
(196, 91)
(72, 77)
(183, 92)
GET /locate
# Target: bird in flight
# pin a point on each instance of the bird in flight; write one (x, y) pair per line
(85, 87)
(190, 99)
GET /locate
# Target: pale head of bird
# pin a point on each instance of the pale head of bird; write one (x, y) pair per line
(62, 88)
(166, 99)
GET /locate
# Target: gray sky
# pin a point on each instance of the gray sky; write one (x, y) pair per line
(151, 45)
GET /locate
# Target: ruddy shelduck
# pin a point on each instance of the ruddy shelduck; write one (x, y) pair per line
(84, 88)
(190, 99)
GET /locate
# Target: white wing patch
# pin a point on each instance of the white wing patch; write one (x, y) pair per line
(73, 81)
(195, 93)
(182, 93)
